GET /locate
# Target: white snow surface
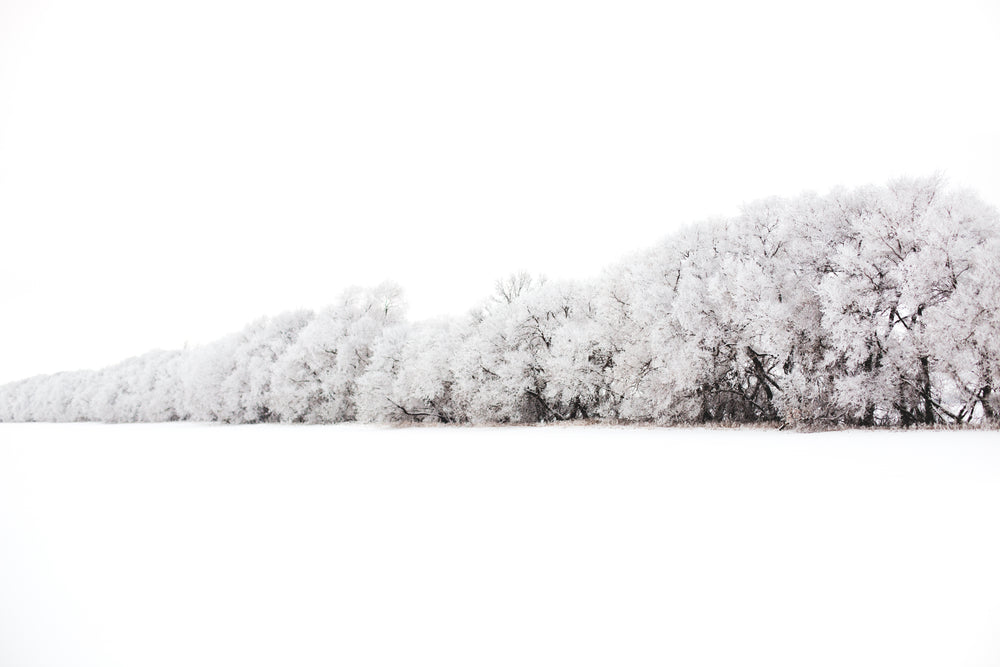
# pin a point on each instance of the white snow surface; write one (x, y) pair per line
(188, 544)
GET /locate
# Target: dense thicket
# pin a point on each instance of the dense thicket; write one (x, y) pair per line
(877, 306)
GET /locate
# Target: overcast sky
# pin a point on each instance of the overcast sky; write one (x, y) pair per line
(172, 170)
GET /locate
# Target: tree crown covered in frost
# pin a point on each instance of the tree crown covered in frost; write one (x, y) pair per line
(877, 306)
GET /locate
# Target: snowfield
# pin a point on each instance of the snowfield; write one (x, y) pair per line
(203, 545)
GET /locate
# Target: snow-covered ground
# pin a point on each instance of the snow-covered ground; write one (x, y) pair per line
(200, 545)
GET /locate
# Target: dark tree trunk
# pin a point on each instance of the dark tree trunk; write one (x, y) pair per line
(706, 412)
(869, 417)
(925, 374)
(984, 399)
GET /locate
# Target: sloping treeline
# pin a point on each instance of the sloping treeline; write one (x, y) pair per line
(876, 306)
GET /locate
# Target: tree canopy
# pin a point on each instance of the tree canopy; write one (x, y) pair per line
(878, 306)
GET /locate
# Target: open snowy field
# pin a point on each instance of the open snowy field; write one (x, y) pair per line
(199, 545)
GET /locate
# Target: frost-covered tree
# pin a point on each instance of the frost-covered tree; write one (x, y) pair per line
(247, 394)
(204, 368)
(873, 306)
(314, 380)
(409, 377)
(962, 334)
(533, 354)
(887, 300)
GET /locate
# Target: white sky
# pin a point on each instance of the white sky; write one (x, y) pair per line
(172, 170)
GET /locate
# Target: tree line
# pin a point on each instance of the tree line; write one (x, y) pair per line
(877, 306)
